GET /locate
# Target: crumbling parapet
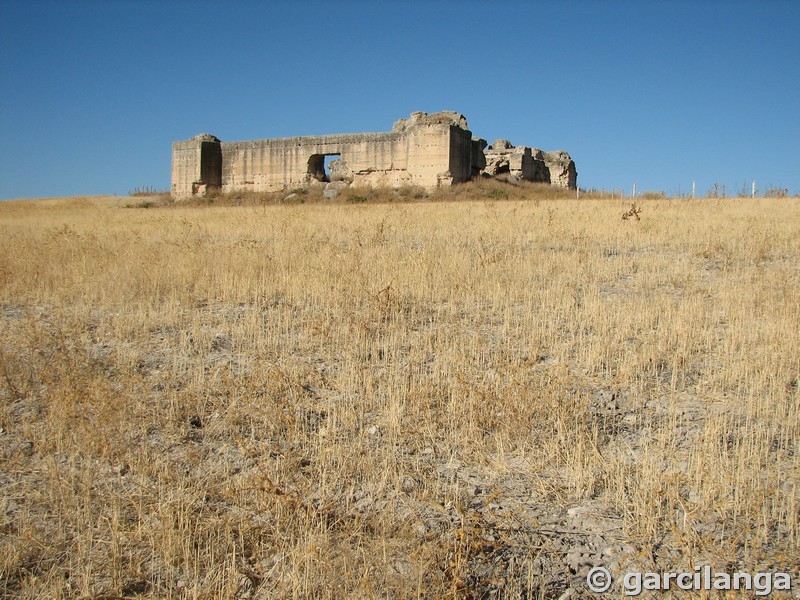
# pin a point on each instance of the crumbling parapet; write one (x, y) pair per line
(419, 119)
(426, 150)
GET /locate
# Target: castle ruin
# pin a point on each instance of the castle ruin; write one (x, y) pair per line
(426, 150)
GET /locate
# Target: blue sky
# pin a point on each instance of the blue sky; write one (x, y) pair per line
(92, 94)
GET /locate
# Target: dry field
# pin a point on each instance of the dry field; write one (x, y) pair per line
(470, 399)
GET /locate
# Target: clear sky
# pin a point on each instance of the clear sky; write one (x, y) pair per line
(92, 94)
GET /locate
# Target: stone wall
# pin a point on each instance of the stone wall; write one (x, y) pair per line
(275, 164)
(426, 150)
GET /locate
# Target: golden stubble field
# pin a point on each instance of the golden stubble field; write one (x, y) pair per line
(436, 399)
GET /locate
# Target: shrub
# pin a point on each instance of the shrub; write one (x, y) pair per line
(147, 190)
(497, 194)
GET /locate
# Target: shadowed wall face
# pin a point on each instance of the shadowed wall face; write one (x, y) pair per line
(196, 165)
(211, 164)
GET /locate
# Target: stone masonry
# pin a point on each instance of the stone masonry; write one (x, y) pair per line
(426, 150)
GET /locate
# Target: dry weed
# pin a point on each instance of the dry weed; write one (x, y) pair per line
(437, 399)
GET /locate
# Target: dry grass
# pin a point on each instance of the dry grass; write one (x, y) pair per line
(436, 399)
(484, 189)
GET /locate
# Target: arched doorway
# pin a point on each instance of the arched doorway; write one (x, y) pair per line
(318, 166)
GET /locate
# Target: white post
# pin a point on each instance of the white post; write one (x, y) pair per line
(693, 186)
(754, 189)
(633, 196)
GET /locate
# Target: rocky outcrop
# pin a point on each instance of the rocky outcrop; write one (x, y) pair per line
(517, 163)
(504, 161)
(334, 188)
(339, 171)
(562, 169)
